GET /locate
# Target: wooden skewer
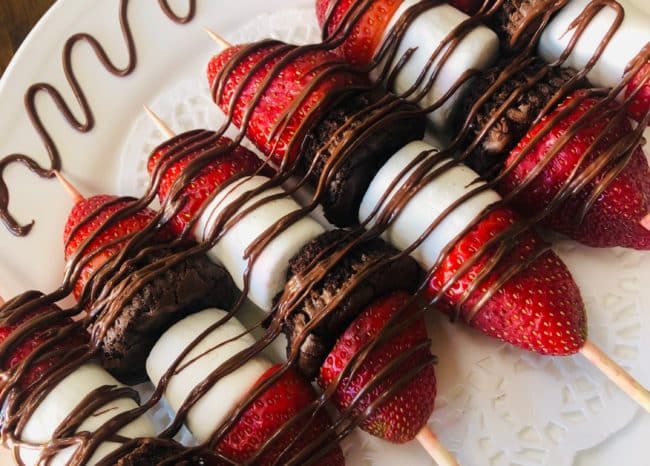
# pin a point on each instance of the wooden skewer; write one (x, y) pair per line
(223, 43)
(426, 437)
(71, 190)
(434, 448)
(617, 374)
(645, 222)
(162, 126)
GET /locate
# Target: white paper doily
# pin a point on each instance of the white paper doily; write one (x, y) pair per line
(497, 405)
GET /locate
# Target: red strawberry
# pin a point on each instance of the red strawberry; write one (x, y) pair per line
(365, 37)
(36, 338)
(92, 214)
(467, 6)
(236, 161)
(402, 415)
(538, 309)
(640, 106)
(285, 93)
(618, 216)
(268, 413)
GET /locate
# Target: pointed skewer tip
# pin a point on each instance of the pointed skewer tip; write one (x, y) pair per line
(75, 195)
(223, 43)
(162, 126)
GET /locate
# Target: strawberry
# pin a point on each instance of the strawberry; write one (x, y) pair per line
(364, 39)
(640, 105)
(33, 340)
(91, 215)
(467, 6)
(400, 417)
(284, 94)
(271, 410)
(618, 216)
(538, 309)
(234, 162)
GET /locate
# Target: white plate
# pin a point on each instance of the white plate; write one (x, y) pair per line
(489, 393)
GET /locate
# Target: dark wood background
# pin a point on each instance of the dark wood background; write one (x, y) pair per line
(17, 17)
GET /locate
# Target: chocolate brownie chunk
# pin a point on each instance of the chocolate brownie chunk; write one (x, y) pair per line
(153, 451)
(162, 299)
(516, 23)
(373, 141)
(401, 274)
(506, 132)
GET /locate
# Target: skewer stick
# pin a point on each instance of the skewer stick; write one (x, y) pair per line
(426, 437)
(75, 195)
(162, 126)
(645, 222)
(223, 43)
(617, 374)
(434, 448)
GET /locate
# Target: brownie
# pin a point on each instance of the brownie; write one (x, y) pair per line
(153, 451)
(504, 134)
(400, 274)
(373, 144)
(510, 18)
(163, 299)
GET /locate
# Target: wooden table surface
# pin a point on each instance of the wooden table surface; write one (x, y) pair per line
(17, 17)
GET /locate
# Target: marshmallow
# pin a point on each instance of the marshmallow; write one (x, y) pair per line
(63, 399)
(631, 36)
(269, 271)
(477, 50)
(427, 204)
(212, 409)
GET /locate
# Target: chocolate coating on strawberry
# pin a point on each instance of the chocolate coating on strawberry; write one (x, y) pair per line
(275, 92)
(596, 142)
(537, 306)
(342, 279)
(272, 411)
(400, 366)
(202, 161)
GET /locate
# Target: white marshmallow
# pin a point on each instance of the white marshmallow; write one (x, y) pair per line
(477, 50)
(627, 42)
(268, 274)
(427, 204)
(211, 410)
(64, 398)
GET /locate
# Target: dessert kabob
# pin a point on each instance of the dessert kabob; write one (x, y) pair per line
(186, 347)
(57, 397)
(555, 170)
(484, 263)
(378, 372)
(59, 405)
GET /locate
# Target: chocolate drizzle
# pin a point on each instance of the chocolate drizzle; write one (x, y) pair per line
(111, 285)
(87, 122)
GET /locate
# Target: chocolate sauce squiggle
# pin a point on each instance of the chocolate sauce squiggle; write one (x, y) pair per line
(88, 121)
